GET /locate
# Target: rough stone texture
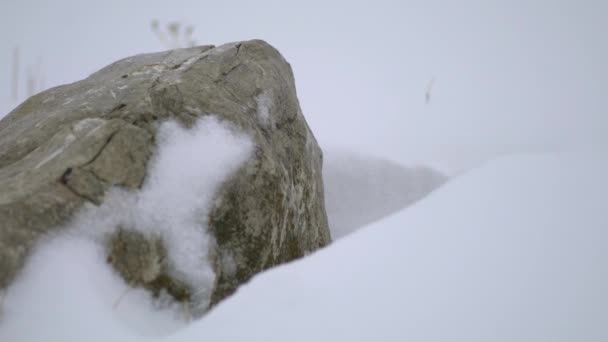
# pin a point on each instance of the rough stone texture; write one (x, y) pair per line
(143, 261)
(67, 146)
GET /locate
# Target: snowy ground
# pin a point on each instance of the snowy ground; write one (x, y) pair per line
(511, 251)
(511, 248)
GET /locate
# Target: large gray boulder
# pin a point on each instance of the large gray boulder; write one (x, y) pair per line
(65, 148)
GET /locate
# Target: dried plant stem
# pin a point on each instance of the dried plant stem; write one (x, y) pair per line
(119, 299)
(15, 79)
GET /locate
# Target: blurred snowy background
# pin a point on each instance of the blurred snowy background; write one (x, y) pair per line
(509, 76)
(507, 98)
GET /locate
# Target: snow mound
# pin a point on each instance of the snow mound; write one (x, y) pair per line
(68, 293)
(360, 189)
(513, 251)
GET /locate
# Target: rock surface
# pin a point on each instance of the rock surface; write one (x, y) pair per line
(67, 146)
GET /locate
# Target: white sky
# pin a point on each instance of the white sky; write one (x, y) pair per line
(510, 76)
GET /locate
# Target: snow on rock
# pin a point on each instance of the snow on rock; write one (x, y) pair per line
(188, 170)
(264, 106)
(177, 196)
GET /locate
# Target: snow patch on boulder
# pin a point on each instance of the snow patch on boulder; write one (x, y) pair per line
(173, 205)
(264, 107)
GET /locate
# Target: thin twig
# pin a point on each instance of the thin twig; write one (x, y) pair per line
(429, 88)
(119, 299)
(15, 80)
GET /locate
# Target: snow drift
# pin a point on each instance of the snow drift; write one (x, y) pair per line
(514, 250)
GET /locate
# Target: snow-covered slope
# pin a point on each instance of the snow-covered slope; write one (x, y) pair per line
(512, 251)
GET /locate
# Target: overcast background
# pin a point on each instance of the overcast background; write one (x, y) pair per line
(510, 76)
